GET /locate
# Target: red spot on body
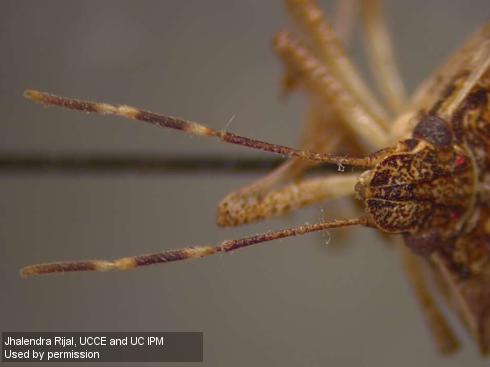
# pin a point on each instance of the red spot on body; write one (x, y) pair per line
(460, 161)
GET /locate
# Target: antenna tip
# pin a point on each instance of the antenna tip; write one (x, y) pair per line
(27, 271)
(33, 95)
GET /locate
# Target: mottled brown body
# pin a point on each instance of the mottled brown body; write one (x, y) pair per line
(464, 260)
(417, 188)
(434, 189)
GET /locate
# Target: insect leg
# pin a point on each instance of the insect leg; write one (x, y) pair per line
(166, 256)
(431, 89)
(469, 57)
(325, 85)
(345, 17)
(443, 335)
(236, 209)
(330, 51)
(344, 22)
(322, 133)
(477, 66)
(381, 55)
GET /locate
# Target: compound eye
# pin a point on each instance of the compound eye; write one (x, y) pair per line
(435, 130)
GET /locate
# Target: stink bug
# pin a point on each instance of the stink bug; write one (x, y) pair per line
(424, 182)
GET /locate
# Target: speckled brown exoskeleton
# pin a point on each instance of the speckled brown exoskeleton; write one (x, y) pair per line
(427, 181)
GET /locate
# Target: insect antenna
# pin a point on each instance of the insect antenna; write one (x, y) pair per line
(195, 128)
(193, 252)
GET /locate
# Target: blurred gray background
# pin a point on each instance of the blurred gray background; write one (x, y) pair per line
(298, 302)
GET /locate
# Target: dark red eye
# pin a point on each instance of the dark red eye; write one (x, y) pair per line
(455, 215)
